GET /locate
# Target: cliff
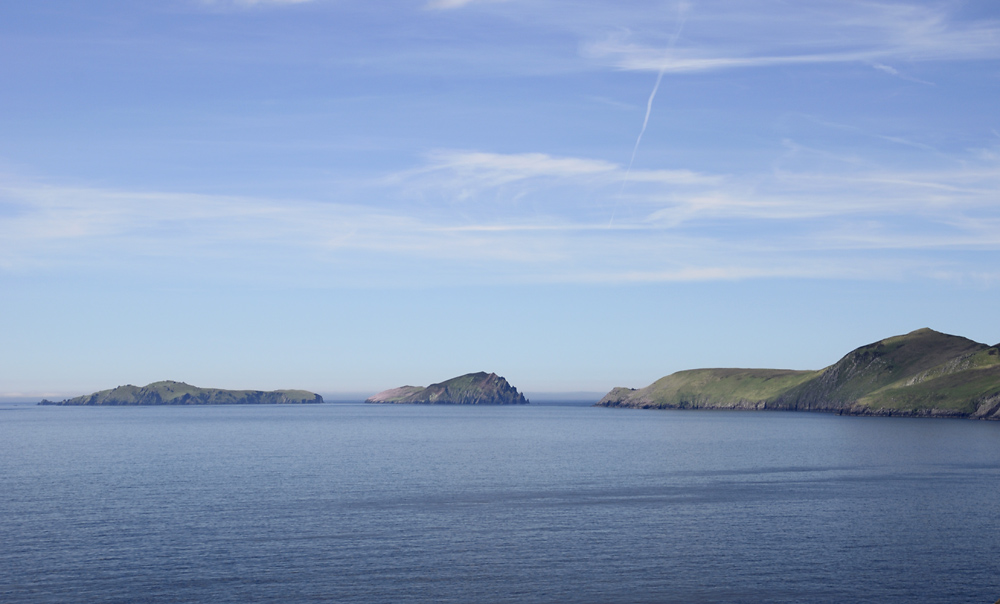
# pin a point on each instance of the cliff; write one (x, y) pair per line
(470, 389)
(922, 373)
(179, 393)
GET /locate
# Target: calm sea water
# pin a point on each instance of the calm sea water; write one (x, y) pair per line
(355, 503)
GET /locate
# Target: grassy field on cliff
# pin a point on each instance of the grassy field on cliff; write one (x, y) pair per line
(924, 372)
(956, 385)
(718, 387)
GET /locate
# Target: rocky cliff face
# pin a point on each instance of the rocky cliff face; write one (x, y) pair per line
(470, 389)
(894, 362)
(179, 393)
(921, 374)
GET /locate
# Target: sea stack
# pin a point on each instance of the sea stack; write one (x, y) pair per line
(470, 389)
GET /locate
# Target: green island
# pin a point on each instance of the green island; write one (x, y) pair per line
(470, 389)
(924, 373)
(179, 393)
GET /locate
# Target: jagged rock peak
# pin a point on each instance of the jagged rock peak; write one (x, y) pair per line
(479, 388)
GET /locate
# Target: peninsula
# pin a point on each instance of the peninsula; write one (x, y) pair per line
(179, 393)
(924, 373)
(470, 389)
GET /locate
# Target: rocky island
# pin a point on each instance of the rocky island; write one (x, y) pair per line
(924, 373)
(179, 393)
(470, 389)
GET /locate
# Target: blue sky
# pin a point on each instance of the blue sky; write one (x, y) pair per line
(347, 196)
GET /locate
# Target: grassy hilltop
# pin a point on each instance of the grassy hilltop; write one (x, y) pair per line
(179, 393)
(922, 373)
(470, 389)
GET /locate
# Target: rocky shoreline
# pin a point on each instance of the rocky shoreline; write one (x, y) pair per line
(920, 374)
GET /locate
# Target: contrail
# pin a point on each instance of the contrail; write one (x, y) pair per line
(682, 15)
(645, 122)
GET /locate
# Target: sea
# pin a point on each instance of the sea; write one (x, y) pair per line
(537, 503)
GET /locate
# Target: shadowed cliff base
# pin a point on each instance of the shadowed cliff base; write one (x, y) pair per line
(924, 373)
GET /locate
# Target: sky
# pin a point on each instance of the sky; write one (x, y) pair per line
(346, 196)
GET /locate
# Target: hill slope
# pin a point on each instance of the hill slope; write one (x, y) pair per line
(470, 389)
(922, 373)
(710, 388)
(179, 393)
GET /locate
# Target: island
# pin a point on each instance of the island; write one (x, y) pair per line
(470, 389)
(924, 373)
(178, 393)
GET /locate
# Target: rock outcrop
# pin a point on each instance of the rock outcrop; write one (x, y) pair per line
(469, 389)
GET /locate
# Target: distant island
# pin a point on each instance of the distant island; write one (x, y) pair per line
(179, 393)
(470, 389)
(924, 373)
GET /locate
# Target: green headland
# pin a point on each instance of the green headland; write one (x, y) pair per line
(922, 373)
(179, 393)
(470, 389)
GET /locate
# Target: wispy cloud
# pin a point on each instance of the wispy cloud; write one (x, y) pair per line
(478, 170)
(822, 33)
(528, 217)
(896, 73)
(784, 193)
(497, 168)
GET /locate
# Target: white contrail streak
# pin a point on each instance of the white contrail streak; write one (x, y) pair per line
(682, 16)
(645, 122)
